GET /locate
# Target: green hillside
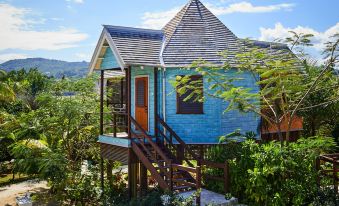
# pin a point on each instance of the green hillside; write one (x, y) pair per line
(50, 67)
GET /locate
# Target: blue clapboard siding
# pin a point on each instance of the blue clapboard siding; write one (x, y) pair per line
(207, 127)
(195, 128)
(109, 60)
(149, 72)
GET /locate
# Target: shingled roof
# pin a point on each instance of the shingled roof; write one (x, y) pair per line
(196, 33)
(135, 45)
(192, 34)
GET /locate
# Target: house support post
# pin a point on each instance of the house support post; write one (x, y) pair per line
(180, 153)
(132, 158)
(132, 174)
(102, 76)
(226, 178)
(143, 180)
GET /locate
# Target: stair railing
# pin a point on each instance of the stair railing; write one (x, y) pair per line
(200, 160)
(169, 141)
(149, 139)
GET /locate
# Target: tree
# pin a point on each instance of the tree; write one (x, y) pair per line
(280, 76)
(6, 92)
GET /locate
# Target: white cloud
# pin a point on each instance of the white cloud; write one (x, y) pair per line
(17, 32)
(83, 56)
(281, 32)
(6, 57)
(76, 1)
(156, 20)
(247, 7)
(57, 19)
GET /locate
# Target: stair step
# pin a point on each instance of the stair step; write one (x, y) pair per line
(183, 187)
(157, 161)
(181, 179)
(174, 173)
(162, 167)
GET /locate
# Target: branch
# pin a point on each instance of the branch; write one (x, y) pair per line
(321, 104)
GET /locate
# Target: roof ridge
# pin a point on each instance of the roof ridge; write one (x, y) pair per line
(182, 12)
(132, 28)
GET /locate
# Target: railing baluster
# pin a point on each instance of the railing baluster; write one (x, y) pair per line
(171, 174)
(198, 185)
(114, 124)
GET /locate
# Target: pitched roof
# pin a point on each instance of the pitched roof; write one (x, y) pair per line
(196, 33)
(137, 46)
(192, 34)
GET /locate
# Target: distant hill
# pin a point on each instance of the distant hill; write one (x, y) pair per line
(50, 67)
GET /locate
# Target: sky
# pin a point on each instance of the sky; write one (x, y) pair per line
(69, 29)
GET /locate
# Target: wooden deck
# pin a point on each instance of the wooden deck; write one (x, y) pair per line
(120, 140)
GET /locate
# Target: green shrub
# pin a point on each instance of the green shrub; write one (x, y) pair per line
(268, 174)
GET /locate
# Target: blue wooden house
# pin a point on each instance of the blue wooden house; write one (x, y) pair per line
(147, 124)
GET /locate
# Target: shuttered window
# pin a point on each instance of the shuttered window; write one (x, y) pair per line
(140, 93)
(190, 106)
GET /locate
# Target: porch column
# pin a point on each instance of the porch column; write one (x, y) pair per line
(132, 158)
(102, 76)
(155, 101)
(128, 79)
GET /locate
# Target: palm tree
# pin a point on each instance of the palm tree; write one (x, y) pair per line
(6, 92)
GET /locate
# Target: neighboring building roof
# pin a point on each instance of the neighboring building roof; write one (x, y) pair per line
(192, 34)
(137, 46)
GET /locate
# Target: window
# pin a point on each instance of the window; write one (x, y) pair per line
(191, 106)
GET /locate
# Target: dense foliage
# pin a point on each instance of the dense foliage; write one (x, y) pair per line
(266, 174)
(50, 127)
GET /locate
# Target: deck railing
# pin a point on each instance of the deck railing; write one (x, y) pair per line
(115, 120)
(329, 172)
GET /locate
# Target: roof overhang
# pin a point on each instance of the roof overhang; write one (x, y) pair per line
(104, 42)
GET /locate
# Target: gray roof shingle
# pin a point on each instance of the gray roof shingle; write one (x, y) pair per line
(137, 46)
(192, 34)
(196, 33)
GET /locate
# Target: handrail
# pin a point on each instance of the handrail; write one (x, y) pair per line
(182, 143)
(155, 146)
(184, 168)
(149, 166)
(200, 161)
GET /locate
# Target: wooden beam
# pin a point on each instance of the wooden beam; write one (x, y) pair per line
(132, 174)
(155, 101)
(102, 76)
(102, 129)
(128, 75)
(143, 179)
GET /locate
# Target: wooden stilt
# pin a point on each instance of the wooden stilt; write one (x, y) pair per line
(102, 129)
(143, 179)
(132, 174)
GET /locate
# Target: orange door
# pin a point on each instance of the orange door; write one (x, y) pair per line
(141, 101)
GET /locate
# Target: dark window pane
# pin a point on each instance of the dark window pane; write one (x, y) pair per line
(140, 93)
(190, 106)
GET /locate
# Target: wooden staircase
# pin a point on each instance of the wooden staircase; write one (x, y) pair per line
(164, 165)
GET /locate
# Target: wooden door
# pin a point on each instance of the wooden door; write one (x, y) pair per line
(141, 101)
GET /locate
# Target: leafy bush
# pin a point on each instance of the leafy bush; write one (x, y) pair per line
(268, 174)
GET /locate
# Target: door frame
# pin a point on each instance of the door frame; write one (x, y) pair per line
(148, 97)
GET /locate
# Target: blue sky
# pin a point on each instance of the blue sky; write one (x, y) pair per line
(69, 29)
